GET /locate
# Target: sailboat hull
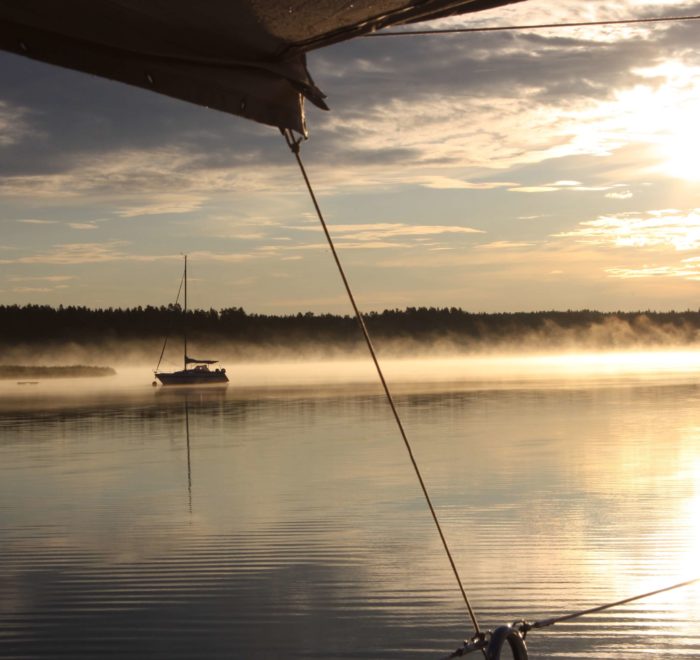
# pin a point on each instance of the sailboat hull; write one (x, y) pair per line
(193, 377)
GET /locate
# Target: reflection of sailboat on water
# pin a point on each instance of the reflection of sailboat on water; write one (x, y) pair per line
(200, 374)
(189, 464)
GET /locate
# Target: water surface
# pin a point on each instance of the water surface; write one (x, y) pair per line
(281, 518)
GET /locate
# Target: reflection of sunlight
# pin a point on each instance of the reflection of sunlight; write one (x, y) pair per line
(688, 564)
(688, 568)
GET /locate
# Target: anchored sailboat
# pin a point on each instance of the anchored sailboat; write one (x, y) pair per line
(200, 374)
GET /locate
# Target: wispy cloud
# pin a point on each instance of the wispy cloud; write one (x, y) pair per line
(231, 257)
(162, 204)
(169, 179)
(40, 284)
(672, 228)
(503, 245)
(44, 278)
(37, 221)
(37, 289)
(13, 124)
(87, 253)
(449, 183)
(380, 230)
(687, 270)
(571, 186)
(623, 194)
(75, 253)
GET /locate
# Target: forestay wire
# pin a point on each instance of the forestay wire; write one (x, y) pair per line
(294, 145)
(540, 26)
(165, 342)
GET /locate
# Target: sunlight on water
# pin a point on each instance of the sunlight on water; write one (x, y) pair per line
(280, 517)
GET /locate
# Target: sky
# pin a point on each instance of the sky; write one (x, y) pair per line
(496, 172)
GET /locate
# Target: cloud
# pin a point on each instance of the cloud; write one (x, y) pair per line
(447, 183)
(429, 107)
(568, 186)
(686, 271)
(204, 256)
(624, 194)
(341, 244)
(33, 221)
(39, 283)
(568, 92)
(362, 232)
(672, 228)
(171, 179)
(35, 289)
(371, 232)
(44, 278)
(534, 189)
(88, 253)
(376, 236)
(448, 130)
(74, 253)
(13, 124)
(162, 204)
(503, 245)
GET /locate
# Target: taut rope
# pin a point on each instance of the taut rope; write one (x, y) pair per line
(294, 144)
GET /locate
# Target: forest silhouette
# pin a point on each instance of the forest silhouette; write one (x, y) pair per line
(40, 324)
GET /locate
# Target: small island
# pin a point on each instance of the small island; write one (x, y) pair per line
(14, 372)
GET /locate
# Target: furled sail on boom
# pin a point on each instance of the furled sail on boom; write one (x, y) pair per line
(189, 360)
(246, 58)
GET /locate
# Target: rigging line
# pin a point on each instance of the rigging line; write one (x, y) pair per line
(165, 343)
(574, 615)
(294, 146)
(480, 642)
(542, 26)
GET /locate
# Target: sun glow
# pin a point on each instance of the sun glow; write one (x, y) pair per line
(683, 151)
(681, 146)
(674, 108)
(660, 111)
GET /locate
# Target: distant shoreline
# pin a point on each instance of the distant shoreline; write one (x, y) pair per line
(40, 334)
(15, 371)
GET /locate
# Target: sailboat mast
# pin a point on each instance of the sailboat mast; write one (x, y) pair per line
(184, 319)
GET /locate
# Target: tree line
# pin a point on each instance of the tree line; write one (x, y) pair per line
(31, 324)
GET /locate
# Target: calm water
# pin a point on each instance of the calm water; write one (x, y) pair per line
(269, 522)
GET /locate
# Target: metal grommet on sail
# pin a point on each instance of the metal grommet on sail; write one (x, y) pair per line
(515, 640)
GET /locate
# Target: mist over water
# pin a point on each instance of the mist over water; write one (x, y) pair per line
(470, 371)
(280, 517)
